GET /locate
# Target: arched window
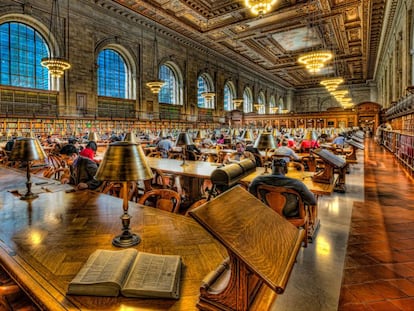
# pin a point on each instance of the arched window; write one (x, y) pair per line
(21, 51)
(171, 92)
(281, 105)
(247, 100)
(261, 108)
(272, 105)
(229, 92)
(205, 85)
(113, 75)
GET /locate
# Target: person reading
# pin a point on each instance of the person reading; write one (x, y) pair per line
(278, 178)
(82, 170)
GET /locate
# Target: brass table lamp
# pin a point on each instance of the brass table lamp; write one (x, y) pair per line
(265, 141)
(27, 150)
(123, 162)
(183, 141)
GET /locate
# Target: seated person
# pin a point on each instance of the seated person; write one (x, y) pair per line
(193, 150)
(239, 155)
(220, 140)
(307, 144)
(10, 144)
(339, 141)
(90, 150)
(165, 145)
(284, 150)
(278, 178)
(82, 170)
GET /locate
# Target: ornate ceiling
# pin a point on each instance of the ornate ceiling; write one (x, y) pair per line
(272, 43)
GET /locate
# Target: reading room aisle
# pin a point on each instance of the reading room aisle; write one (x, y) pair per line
(363, 255)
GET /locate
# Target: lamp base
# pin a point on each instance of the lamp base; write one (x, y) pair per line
(29, 196)
(126, 239)
(184, 164)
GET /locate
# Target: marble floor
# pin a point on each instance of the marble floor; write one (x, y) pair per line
(315, 282)
(363, 255)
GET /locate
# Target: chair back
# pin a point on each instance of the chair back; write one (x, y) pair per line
(164, 199)
(276, 198)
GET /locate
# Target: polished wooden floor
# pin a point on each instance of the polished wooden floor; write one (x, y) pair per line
(379, 264)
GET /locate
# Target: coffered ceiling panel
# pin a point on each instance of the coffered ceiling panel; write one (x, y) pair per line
(271, 44)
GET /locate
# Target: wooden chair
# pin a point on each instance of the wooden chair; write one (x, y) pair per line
(114, 189)
(165, 199)
(296, 165)
(154, 154)
(275, 198)
(195, 205)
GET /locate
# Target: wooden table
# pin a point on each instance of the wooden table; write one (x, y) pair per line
(194, 173)
(44, 243)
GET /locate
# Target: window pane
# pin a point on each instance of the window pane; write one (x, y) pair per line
(21, 50)
(112, 73)
(168, 93)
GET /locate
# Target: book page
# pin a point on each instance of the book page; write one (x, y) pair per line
(103, 268)
(154, 275)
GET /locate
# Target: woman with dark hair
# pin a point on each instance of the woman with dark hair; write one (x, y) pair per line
(90, 150)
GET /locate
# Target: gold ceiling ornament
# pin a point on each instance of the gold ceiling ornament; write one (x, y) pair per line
(156, 84)
(55, 64)
(259, 7)
(332, 84)
(314, 61)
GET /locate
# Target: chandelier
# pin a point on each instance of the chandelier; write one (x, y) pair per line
(314, 61)
(208, 95)
(332, 84)
(338, 94)
(274, 109)
(155, 85)
(55, 64)
(259, 7)
(237, 102)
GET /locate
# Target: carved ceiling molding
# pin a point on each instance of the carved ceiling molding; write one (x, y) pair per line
(271, 45)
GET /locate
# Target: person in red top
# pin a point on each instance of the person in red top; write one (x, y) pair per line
(90, 150)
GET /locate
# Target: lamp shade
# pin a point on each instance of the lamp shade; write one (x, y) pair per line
(265, 141)
(184, 140)
(124, 161)
(27, 149)
(130, 137)
(247, 135)
(201, 134)
(93, 136)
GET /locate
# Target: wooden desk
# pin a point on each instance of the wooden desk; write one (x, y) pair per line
(193, 174)
(44, 243)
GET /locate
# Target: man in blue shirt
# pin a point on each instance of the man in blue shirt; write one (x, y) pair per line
(164, 146)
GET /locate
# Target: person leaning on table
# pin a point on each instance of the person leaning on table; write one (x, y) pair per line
(278, 178)
(82, 170)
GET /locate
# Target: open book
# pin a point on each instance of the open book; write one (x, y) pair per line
(129, 272)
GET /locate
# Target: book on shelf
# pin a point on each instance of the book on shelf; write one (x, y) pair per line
(130, 273)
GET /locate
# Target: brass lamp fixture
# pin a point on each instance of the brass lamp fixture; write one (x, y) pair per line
(156, 84)
(314, 61)
(208, 95)
(131, 137)
(55, 64)
(27, 150)
(332, 84)
(237, 102)
(259, 7)
(124, 162)
(265, 141)
(183, 141)
(247, 135)
(93, 136)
